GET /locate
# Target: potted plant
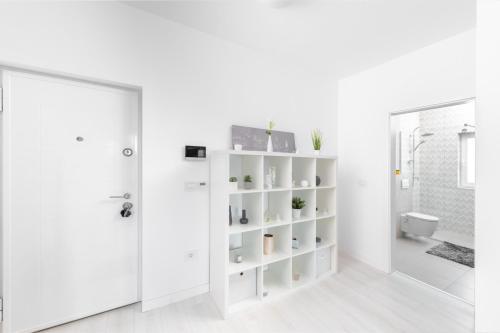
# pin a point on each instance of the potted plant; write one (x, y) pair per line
(297, 205)
(269, 132)
(317, 140)
(248, 182)
(233, 184)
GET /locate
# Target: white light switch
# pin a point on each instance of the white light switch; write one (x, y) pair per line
(405, 183)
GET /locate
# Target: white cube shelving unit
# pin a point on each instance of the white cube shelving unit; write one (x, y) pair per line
(269, 211)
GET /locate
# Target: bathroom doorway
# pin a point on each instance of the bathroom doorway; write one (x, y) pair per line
(433, 194)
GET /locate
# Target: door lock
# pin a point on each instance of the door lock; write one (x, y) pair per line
(126, 211)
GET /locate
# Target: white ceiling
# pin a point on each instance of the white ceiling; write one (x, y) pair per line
(328, 37)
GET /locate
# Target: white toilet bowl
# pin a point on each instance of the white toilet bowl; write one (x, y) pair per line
(419, 224)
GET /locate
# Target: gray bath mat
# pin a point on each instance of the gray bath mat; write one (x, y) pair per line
(460, 254)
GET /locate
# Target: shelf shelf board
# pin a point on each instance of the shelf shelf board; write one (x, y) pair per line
(303, 219)
(264, 153)
(300, 251)
(324, 245)
(274, 290)
(243, 191)
(304, 280)
(324, 216)
(273, 224)
(275, 257)
(325, 187)
(237, 228)
(277, 189)
(241, 267)
(300, 188)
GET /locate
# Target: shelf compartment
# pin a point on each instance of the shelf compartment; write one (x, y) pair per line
(277, 278)
(325, 229)
(326, 202)
(303, 169)
(242, 165)
(277, 204)
(244, 287)
(326, 171)
(305, 235)
(249, 246)
(281, 177)
(324, 263)
(282, 243)
(309, 211)
(304, 266)
(252, 203)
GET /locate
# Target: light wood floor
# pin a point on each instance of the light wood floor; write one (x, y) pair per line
(358, 299)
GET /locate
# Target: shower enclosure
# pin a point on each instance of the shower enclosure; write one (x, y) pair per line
(432, 179)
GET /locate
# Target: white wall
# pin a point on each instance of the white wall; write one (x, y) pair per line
(441, 72)
(194, 87)
(487, 166)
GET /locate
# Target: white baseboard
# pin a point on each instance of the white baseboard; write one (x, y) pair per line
(159, 302)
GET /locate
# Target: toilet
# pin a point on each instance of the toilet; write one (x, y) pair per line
(419, 224)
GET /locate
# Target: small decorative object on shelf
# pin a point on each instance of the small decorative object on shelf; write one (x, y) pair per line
(230, 216)
(296, 276)
(238, 259)
(244, 219)
(295, 243)
(317, 141)
(269, 132)
(268, 244)
(297, 205)
(269, 181)
(267, 217)
(248, 182)
(238, 147)
(318, 241)
(304, 183)
(318, 180)
(233, 184)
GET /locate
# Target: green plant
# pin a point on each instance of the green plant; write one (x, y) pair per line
(248, 179)
(233, 179)
(317, 139)
(298, 203)
(270, 126)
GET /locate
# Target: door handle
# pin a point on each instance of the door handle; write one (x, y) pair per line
(124, 196)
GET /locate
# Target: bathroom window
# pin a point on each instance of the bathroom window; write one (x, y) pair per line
(467, 168)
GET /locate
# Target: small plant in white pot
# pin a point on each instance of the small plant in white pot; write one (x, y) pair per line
(317, 141)
(248, 182)
(297, 205)
(233, 184)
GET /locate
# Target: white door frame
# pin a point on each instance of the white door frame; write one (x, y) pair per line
(5, 181)
(392, 222)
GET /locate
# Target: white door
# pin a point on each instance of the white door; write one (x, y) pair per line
(68, 252)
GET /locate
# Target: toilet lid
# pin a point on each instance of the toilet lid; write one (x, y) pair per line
(423, 217)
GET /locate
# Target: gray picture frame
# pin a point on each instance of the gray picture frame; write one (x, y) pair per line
(255, 139)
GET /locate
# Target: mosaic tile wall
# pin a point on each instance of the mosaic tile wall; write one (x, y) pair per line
(436, 190)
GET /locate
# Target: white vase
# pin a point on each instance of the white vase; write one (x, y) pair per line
(296, 213)
(269, 144)
(233, 186)
(316, 152)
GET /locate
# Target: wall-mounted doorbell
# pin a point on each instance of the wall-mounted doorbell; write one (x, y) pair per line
(195, 153)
